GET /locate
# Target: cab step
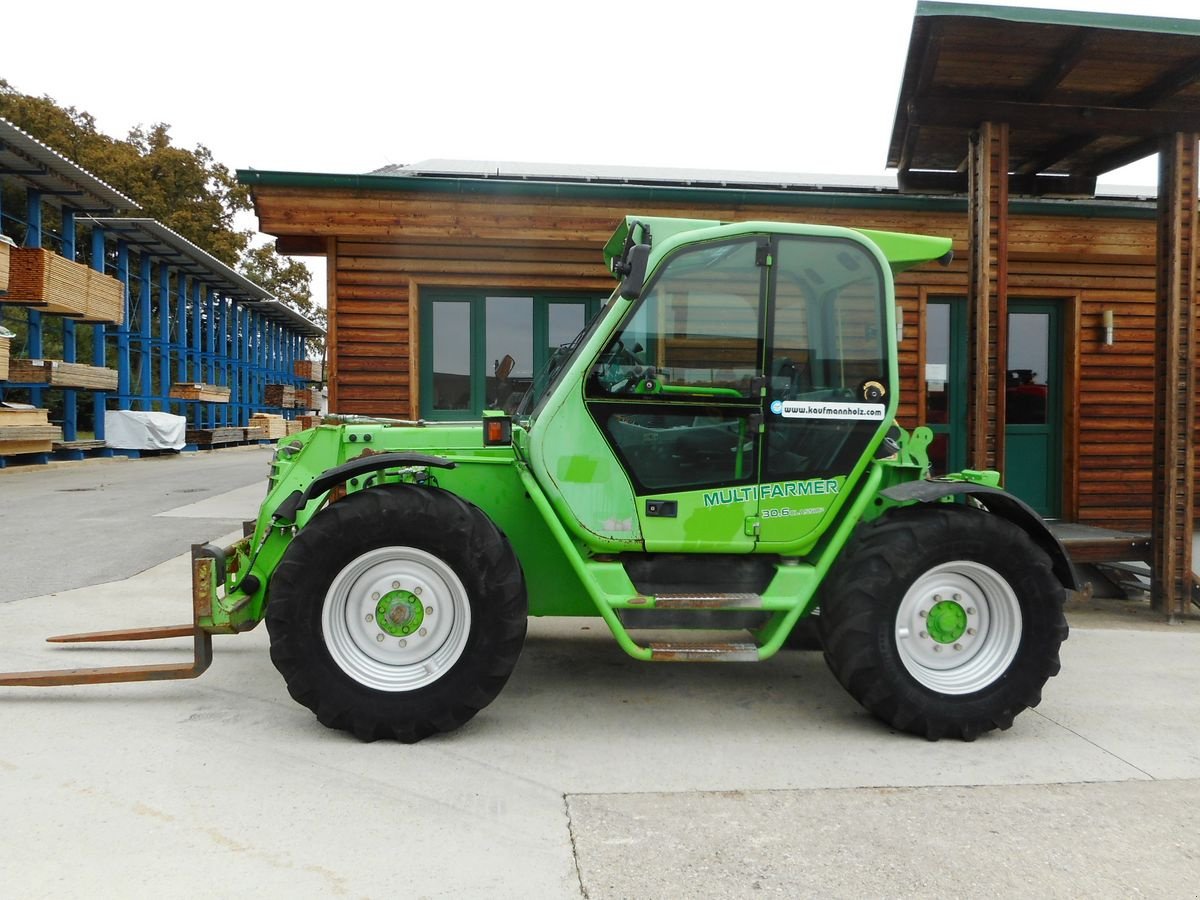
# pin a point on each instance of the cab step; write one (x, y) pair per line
(708, 601)
(682, 651)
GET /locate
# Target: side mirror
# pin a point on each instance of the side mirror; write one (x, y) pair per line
(635, 271)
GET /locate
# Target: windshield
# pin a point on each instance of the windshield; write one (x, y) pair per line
(559, 362)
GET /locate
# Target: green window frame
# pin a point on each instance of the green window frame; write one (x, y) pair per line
(444, 311)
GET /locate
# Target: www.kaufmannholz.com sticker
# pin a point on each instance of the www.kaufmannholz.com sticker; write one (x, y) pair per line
(815, 409)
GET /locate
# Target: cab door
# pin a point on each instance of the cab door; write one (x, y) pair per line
(829, 382)
(677, 393)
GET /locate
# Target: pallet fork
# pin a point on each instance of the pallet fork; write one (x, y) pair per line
(204, 568)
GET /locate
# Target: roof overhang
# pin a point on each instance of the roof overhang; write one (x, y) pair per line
(60, 181)
(1083, 93)
(173, 249)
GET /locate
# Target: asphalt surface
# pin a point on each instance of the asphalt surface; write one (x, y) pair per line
(592, 775)
(69, 525)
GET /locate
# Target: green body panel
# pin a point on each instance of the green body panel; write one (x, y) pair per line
(583, 480)
(563, 498)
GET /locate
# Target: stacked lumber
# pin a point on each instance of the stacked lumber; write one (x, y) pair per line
(211, 437)
(274, 426)
(26, 430)
(5, 247)
(205, 393)
(4, 343)
(307, 422)
(307, 398)
(56, 285)
(256, 434)
(282, 395)
(56, 373)
(307, 369)
(294, 426)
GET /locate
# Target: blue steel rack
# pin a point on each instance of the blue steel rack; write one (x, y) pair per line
(186, 312)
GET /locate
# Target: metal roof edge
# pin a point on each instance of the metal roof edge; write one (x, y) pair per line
(832, 198)
(1113, 21)
(26, 145)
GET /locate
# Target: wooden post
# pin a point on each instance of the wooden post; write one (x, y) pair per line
(987, 294)
(1174, 376)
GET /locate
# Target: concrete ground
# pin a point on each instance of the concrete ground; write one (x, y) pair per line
(592, 775)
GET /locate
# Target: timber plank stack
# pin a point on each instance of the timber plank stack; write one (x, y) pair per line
(4, 347)
(307, 369)
(56, 285)
(274, 426)
(254, 433)
(56, 373)
(307, 398)
(5, 254)
(282, 395)
(205, 393)
(26, 431)
(211, 437)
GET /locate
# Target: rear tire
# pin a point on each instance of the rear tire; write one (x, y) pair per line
(399, 611)
(943, 620)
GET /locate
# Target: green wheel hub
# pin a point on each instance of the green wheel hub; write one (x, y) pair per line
(946, 622)
(399, 613)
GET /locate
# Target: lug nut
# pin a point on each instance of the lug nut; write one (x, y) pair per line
(958, 646)
(958, 598)
(379, 637)
(970, 610)
(375, 596)
(923, 613)
(423, 632)
(395, 584)
(403, 643)
(417, 591)
(924, 634)
(937, 648)
(429, 610)
(369, 617)
(971, 631)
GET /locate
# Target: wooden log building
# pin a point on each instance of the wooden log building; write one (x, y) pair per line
(1057, 347)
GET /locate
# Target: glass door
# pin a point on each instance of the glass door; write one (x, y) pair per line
(946, 383)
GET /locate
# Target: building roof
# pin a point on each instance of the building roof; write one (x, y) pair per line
(635, 185)
(633, 175)
(61, 181)
(175, 250)
(1083, 93)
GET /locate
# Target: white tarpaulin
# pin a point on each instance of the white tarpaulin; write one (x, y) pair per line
(126, 429)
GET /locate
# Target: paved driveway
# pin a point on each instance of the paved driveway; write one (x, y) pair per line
(592, 775)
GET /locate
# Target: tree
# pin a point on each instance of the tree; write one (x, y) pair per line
(187, 190)
(286, 279)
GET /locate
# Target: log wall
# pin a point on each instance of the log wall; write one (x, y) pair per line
(384, 247)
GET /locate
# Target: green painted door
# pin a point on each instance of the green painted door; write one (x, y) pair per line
(1033, 396)
(1033, 405)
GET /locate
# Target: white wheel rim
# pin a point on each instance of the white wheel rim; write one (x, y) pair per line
(949, 661)
(376, 655)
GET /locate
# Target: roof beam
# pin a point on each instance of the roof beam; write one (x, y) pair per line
(1171, 83)
(1124, 156)
(1083, 120)
(928, 66)
(1066, 58)
(925, 182)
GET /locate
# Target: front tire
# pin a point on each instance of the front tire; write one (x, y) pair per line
(943, 620)
(398, 611)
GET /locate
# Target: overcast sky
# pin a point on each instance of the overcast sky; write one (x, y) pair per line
(770, 85)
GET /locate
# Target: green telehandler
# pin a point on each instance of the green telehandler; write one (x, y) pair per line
(713, 462)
